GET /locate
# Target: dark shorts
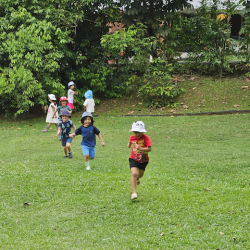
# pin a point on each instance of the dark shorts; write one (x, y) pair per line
(66, 140)
(136, 164)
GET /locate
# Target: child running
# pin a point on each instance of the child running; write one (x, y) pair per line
(88, 132)
(89, 104)
(65, 128)
(71, 94)
(50, 114)
(141, 145)
(63, 106)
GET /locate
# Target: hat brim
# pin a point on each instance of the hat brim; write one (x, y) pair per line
(138, 130)
(66, 115)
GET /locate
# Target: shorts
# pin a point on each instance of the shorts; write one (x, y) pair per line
(66, 140)
(88, 151)
(136, 164)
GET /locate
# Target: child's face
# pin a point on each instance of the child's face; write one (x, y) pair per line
(72, 87)
(65, 118)
(87, 122)
(64, 103)
(138, 134)
(50, 100)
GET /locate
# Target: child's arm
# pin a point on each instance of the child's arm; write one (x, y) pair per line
(129, 145)
(54, 114)
(84, 107)
(54, 111)
(76, 131)
(72, 135)
(59, 131)
(100, 137)
(144, 149)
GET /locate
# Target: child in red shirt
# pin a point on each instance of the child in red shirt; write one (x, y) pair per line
(141, 145)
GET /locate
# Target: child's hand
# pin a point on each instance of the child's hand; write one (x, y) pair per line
(57, 134)
(72, 135)
(102, 143)
(129, 145)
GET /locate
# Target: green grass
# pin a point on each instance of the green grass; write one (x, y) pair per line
(72, 208)
(203, 94)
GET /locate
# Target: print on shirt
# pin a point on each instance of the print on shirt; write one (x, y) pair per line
(139, 156)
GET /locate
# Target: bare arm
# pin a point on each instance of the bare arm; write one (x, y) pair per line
(54, 114)
(129, 145)
(144, 149)
(100, 137)
(59, 131)
(54, 111)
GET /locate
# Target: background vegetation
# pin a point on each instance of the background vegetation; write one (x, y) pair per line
(43, 45)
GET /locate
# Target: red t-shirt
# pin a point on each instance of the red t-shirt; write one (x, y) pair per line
(137, 155)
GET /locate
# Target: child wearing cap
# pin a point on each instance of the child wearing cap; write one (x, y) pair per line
(64, 128)
(88, 132)
(141, 145)
(50, 118)
(63, 106)
(89, 104)
(71, 94)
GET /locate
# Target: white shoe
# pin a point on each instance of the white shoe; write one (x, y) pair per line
(134, 196)
(88, 168)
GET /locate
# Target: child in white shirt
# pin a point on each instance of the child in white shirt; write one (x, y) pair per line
(89, 104)
(71, 93)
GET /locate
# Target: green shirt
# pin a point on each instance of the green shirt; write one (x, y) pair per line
(60, 109)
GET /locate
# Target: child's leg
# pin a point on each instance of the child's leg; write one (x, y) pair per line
(65, 150)
(68, 146)
(86, 158)
(136, 173)
(85, 151)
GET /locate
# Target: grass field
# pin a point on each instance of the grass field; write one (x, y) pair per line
(194, 194)
(203, 94)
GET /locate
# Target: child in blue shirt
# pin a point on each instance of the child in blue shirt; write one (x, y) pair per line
(65, 128)
(88, 132)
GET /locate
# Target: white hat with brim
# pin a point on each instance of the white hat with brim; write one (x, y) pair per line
(52, 97)
(71, 83)
(138, 126)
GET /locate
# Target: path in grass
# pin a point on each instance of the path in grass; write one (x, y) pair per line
(71, 208)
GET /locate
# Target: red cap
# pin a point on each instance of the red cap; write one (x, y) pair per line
(63, 98)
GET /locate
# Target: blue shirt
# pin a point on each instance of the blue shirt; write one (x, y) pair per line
(88, 135)
(66, 128)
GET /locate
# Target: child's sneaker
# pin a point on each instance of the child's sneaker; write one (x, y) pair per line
(65, 156)
(138, 181)
(134, 196)
(70, 155)
(88, 168)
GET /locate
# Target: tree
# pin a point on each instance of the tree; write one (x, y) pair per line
(43, 45)
(157, 15)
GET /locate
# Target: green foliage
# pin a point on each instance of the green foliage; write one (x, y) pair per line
(157, 90)
(245, 30)
(129, 47)
(207, 37)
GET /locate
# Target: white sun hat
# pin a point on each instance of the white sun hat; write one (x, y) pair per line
(138, 126)
(71, 83)
(52, 97)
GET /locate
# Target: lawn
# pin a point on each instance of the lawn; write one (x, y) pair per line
(203, 94)
(194, 194)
